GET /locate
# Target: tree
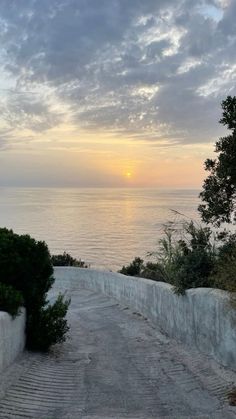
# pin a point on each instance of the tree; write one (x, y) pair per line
(219, 188)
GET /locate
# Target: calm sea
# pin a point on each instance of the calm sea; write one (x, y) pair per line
(105, 227)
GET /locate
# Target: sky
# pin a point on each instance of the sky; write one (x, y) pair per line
(113, 93)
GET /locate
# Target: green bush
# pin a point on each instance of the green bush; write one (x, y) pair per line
(10, 300)
(134, 269)
(153, 271)
(190, 257)
(224, 273)
(51, 327)
(65, 259)
(194, 259)
(25, 264)
(185, 263)
(147, 270)
(192, 270)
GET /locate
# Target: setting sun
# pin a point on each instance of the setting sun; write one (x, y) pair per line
(128, 174)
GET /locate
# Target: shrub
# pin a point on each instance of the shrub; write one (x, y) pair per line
(65, 259)
(25, 264)
(184, 263)
(153, 271)
(134, 269)
(147, 270)
(194, 259)
(224, 273)
(51, 326)
(198, 259)
(10, 300)
(192, 270)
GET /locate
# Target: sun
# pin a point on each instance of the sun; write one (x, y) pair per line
(128, 175)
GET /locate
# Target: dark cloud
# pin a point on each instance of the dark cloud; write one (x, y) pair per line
(26, 111)
(142, 68)
(228, 23)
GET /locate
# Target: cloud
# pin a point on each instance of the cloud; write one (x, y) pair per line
(6, 139)
(25, 111)
(142, 69)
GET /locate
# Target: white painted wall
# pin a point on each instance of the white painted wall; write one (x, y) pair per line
(204, 318)
(12, 337)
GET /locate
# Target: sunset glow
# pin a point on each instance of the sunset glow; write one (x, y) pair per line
(92, 93)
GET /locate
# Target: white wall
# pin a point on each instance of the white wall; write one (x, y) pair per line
(12, 337)
(204, 318)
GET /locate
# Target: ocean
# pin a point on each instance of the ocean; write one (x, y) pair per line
(105, 227)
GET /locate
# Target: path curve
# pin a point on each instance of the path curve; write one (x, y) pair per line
(115, 364)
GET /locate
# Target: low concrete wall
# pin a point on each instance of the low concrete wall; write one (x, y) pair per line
(12, 337)
(203, 318)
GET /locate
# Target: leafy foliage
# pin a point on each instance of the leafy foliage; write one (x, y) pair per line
(186, 262)
(10, 300)
(219, 188)
(219, 198)
(147, 270)
(65, 259)
(134, 269)
(224, 273)
(195, 259)
(51, 325)
(153, 271)
(25, 264)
